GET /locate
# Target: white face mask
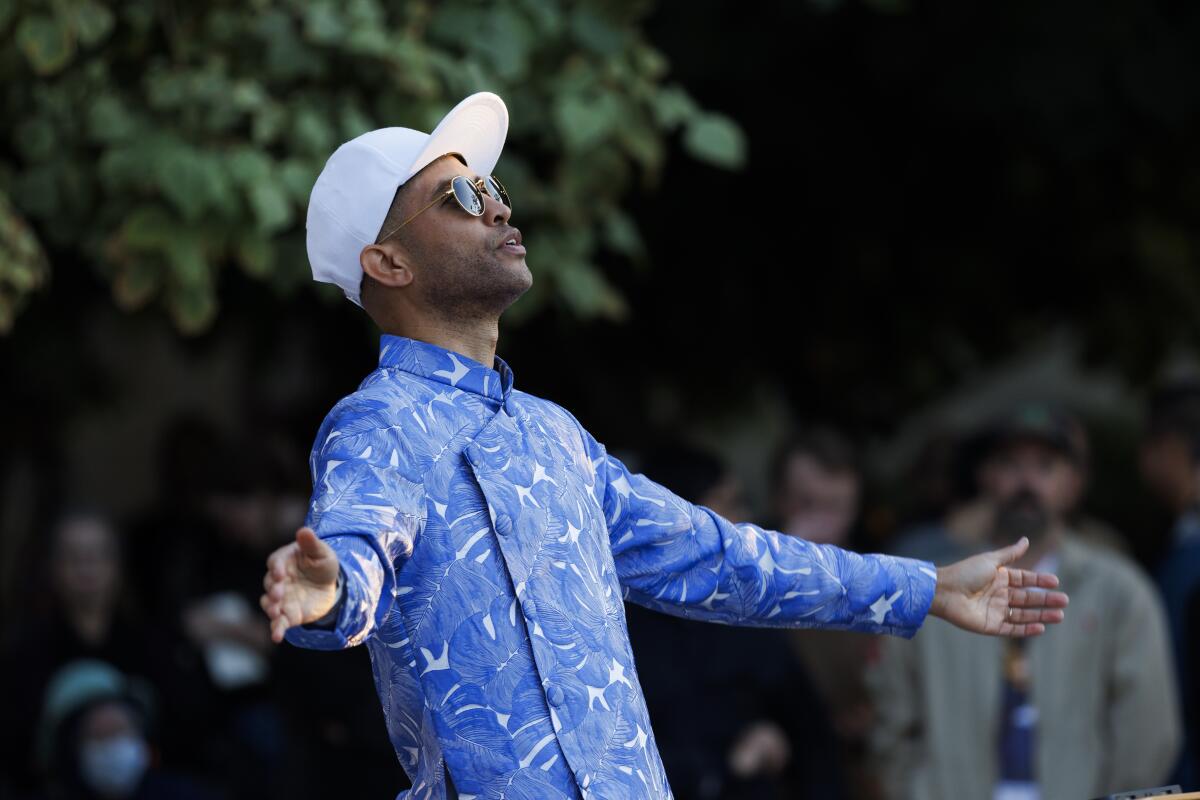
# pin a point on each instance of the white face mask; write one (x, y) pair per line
(114, 766)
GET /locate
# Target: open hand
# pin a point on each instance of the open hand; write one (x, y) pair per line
(300, 584)
(983, 594)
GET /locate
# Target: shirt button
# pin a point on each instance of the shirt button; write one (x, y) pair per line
(503, 524)
(555, 694)
(528, 608)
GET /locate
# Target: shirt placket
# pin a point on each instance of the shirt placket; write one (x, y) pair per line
(515, 526)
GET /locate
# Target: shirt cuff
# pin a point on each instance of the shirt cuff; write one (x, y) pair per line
(920, 583)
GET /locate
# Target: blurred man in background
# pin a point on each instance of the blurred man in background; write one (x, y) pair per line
(1170, 463)
(816, 486)
(742, 720)
(1093, 711)
(962, 523)
(816, 493)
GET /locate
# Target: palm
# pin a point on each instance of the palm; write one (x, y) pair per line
(983, 594)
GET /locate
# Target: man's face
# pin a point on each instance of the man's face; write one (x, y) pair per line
(461, 268)
(86, 564)
(1032, 484)
(816, 503)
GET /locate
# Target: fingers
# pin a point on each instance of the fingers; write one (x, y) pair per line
(279, 627)
(1023, 631)
(1025, 577)
(1028, 615)
(1023, 598)
(274, 589)
(271, 603)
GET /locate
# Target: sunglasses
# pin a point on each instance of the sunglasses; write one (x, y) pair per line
(468, 194)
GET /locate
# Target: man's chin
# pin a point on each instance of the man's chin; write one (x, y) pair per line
(1015, 523)
(518, 267)
(511, 282)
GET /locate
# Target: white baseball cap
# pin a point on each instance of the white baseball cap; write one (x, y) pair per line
(354, 191)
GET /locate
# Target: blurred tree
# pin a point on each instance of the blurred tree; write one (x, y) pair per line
(162, 142)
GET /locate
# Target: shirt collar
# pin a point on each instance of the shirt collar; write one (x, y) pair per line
(436, 363)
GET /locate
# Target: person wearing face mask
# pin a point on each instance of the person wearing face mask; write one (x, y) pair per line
(82, 607)
(94, 740)
(1091, 712)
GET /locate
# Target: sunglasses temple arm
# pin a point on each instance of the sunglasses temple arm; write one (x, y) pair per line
(414, 216)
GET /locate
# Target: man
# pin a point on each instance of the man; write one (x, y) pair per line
(1170, 464)
(816, 486)
(961, 527)
(816, 494)
(481, 541)
(1086, 712)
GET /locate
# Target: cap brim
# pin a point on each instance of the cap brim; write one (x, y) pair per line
(475, 128)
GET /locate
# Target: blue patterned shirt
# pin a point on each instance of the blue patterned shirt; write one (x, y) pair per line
(488, 543)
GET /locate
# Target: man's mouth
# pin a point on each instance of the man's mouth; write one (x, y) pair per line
(512, 244)
(514, 247)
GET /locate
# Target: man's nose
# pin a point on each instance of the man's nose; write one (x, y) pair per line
(494, 212)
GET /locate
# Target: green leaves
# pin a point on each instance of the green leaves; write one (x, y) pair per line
(49, 40)
(23, 266)
(717, 139)
(163, 144)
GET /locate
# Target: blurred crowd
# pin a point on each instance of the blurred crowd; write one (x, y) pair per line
(142, 667)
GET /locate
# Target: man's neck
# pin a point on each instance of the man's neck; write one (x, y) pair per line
(476, 340)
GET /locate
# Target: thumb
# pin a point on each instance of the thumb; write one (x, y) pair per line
(1008, 555)
(310, 545)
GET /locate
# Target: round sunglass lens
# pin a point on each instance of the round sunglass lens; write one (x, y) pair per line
(467, 196)
(496, 190)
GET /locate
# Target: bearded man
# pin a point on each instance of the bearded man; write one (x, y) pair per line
(1090, 711)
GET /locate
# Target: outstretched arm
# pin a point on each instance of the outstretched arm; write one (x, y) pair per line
(685, 559)
(364, 517)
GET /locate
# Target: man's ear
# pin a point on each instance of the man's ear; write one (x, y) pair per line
(386, 263)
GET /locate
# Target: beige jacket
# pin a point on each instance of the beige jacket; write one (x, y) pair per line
(1102, 680)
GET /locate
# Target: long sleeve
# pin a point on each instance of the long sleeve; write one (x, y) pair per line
(685, 559)
(369, 513)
